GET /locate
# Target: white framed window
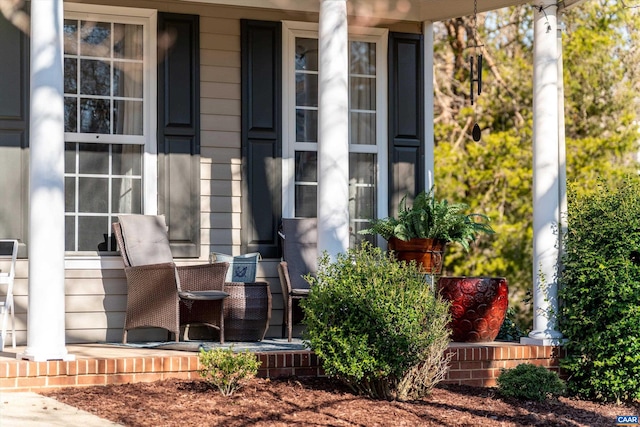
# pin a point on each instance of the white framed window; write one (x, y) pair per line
(367, 123)
(110, 110)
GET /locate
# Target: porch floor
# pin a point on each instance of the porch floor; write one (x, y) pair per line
(105, 363)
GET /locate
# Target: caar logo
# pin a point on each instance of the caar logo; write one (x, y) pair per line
(626, 420)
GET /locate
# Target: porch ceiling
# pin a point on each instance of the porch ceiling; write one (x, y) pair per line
(404, 10)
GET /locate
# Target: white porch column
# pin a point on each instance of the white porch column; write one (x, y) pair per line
(546, 169)
(46, 309)
(429, 137)
(333, 138)
(562, 150)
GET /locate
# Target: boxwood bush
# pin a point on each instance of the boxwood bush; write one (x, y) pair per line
(600, 292)
(530, 382)
(377, 325)
(226, 369)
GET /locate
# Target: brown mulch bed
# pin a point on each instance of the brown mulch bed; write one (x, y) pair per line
(324, 402)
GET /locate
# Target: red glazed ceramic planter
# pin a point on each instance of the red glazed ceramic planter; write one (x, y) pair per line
(478, 306)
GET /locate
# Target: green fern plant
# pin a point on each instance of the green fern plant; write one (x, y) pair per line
(430, 218)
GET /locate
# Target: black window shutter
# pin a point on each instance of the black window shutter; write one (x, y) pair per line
(179, 131)
(261, 136)
(406, 117)
(14, 139)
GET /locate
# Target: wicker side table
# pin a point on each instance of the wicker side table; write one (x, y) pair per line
(247, 311)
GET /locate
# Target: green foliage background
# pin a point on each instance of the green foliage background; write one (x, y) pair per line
(494, 176)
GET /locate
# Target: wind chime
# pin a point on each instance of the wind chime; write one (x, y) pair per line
(475, 75)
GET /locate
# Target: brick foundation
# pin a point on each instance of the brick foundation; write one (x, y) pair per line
(481, 365)
(477, 365)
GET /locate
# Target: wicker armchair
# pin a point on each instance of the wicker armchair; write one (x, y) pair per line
(300, 257)
(159, 293)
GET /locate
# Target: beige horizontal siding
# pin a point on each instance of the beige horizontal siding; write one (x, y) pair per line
(220, 204)
(113, 335)
(219, 139)
(223, 42)
(226, 107)
(227, 173)
(221, 58)
(227, 74)
(98, 320)
(222, 188)
(225, 156)
(221, 90)
(107, 273)
(220, 123)
(223, 235)
(20, 285)
(214, 25)
(20, 306)
(220, 220)
(95, 303)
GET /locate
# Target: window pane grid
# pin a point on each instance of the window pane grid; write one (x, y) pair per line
(89, 225)
(362, 193)
(306, 89)
(362, 135)
(106, 96)
(362, 94)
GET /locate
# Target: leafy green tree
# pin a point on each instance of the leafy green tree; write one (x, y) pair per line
(494, 176)
(601, 82)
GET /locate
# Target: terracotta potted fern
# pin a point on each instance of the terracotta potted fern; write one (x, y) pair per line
(422, 231)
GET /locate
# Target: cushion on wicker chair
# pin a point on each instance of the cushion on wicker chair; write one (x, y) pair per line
(147, 239)
(299, 249)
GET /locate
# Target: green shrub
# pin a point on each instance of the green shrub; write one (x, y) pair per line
(376, 325)
(600, 293)
(227, 370)
(530, 382)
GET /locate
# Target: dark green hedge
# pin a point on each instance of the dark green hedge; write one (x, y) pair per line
(600, 292)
